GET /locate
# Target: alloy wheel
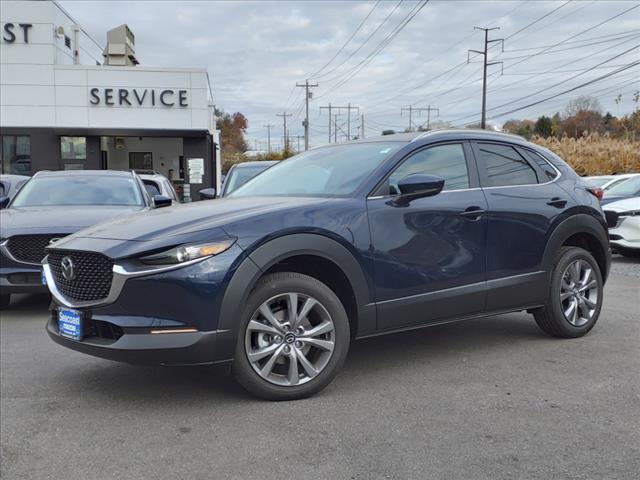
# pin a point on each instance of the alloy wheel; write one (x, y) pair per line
(579, 293)
(290, 339)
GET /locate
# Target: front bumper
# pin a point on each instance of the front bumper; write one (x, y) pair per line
(186, 298)
(145, 348)
(625, 235)
(18, 277)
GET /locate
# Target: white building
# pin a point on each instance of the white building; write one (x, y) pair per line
(66, 105)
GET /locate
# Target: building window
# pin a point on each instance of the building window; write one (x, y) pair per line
(73, 152)
(16, 154)
(140, 160)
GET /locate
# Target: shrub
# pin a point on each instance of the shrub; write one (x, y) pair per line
(595, 154)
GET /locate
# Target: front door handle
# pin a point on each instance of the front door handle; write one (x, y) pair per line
(472, 213)
(557, 202)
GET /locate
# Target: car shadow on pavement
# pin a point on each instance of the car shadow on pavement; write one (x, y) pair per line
(29, 304)
(370, 362)
(376, 360)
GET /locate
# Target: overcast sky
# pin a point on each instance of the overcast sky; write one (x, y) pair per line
(256, 51)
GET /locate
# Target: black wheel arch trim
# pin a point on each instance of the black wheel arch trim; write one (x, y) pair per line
(267, 254)
(575, 224)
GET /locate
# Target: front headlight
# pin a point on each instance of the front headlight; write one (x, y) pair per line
(186, 253)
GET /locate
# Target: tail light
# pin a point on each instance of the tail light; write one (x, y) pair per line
(596, 192)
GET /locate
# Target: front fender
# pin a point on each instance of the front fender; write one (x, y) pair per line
(268, 254)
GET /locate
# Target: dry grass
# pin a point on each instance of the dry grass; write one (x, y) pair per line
(595, 154)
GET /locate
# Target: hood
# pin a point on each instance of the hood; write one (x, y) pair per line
(179, 220)
(608, 199)
(57, 219)
(629, 204)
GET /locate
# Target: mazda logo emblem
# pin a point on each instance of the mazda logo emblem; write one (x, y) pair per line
(68, 272)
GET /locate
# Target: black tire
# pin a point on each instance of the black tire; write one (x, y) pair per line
(551, 318)
(267, 288)
(5, 299)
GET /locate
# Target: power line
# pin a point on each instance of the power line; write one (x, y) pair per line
(363, 43)
(313, 75)
(538, 19)
(574, 36)
(377, 50)
(556, 84)
(602, 77)
(462, 64)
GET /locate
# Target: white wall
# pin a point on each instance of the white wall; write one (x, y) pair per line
(41, 87)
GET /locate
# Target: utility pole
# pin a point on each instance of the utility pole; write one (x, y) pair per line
(335, 127)
(298, 137)
(284, 116)
(328, 108)
(429, 110)
(308, 95)
(412, 109)
(348, 107)
(483, 122)
(362, 126)
(269, 127)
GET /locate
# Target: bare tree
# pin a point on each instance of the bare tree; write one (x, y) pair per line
(583, 103)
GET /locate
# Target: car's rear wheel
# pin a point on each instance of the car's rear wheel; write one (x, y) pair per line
(574, 300)
(5, 299)
(293, 337)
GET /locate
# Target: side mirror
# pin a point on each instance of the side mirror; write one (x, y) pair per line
(160, 201)
(417, 186)
(207, 194)
(4, 201)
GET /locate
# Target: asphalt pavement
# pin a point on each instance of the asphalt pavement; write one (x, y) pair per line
(485, 399)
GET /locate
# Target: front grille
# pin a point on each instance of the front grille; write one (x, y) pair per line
(30, 248)
(91, 279)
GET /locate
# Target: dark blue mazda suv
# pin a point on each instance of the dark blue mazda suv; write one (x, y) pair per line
(341, 242)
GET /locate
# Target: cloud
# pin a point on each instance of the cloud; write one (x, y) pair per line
(256, 51)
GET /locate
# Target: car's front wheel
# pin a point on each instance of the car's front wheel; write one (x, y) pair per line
(574, 299)
(293, 338)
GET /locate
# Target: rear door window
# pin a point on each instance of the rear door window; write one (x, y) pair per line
(502, 165)
(548, 173)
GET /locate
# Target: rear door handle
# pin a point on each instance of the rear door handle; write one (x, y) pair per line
(557, 202)
(472, 213)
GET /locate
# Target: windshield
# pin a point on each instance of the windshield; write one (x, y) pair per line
(630, 186)
(241, 175)
(328, 171)
(79, 190)
(598, 181)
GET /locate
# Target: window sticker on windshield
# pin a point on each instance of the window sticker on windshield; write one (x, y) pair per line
(385, 150)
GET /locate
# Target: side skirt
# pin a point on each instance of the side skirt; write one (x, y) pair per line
(450, 320)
